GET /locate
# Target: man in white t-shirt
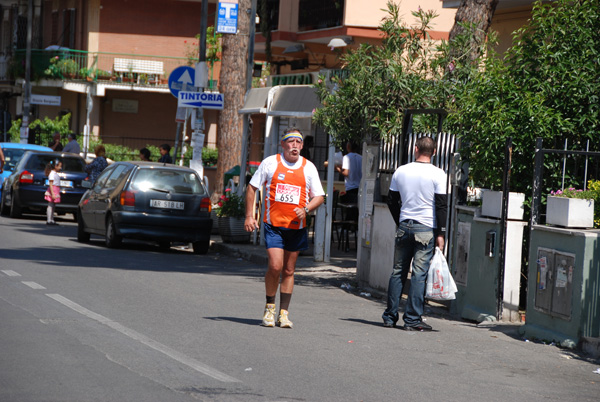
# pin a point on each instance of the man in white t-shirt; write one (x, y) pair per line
(351, 169)
(418, 203)
(292, 190)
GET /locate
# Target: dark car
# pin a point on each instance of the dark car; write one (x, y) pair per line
(13, 151)
(147, 201)
(23, 190)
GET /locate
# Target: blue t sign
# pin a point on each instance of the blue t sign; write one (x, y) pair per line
(227, 17)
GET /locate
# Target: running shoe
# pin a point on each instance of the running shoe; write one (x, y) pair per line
(283, 320)
(269, 315)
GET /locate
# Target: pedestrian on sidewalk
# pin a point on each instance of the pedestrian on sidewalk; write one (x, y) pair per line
(52, 194)
(417, 201)
(72, 146)
(292, 189)
(165, 157)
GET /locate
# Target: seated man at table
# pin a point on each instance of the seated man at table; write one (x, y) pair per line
(351, 169)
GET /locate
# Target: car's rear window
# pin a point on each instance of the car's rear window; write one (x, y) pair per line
(173, 181)
(11, 157)
(70, 164)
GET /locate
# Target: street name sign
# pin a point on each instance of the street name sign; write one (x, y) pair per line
(227, 17)
(205, 100)
(47, 100)
(180, 79)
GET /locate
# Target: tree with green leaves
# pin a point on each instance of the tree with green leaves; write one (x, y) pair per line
(405, 71)
(547, 85)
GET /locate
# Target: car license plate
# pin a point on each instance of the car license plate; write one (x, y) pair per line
(167, 204)
(63, 183)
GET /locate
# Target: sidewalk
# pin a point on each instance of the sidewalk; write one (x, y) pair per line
(342, 264)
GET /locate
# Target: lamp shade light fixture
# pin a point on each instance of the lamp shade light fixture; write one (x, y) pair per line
(339, 42)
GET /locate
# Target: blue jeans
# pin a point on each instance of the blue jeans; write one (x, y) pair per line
(414, 242)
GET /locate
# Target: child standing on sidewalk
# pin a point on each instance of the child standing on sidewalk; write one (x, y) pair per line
(52, 195)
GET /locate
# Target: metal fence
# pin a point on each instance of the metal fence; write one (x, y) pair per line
(584, 164)
(116, 68)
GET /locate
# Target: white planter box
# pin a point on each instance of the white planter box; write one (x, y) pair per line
(492, 205)
(570, 212)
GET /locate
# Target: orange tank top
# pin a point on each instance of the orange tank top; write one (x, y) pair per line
(286, 190)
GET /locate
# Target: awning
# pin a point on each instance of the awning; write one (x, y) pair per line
(256, 101)
(294, 101)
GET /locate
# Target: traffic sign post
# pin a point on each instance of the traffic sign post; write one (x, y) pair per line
(204, 100)
(181, 79)
(227, 16)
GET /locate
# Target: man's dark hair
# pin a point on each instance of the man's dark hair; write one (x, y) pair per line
(72, 136)
(145, 152)
(353, 146)
(426, 146)
(166, 147)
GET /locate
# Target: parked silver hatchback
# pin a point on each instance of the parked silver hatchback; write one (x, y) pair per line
(147, 201)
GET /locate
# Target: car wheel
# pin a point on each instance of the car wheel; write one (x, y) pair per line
(112, 240)
(82, 235)
(3, 207)
(201, 247)
(15, 210)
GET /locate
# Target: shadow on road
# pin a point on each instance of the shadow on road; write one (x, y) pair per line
(237, 320)
(132, 255)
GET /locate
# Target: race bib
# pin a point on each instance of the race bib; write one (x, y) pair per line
(287, 193)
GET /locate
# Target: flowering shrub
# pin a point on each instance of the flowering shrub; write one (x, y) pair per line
(592, 193)
(231, 205)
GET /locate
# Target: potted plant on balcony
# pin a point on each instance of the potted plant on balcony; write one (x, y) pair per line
(68, 68)
(573, 208)
(231, 213)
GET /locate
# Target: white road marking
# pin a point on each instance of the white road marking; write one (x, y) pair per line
(33, 285)
(11, 273)
(175, 355)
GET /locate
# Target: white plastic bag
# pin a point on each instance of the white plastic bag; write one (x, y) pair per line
(440, 284)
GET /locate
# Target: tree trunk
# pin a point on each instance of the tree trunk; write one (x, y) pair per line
(479, 12)
(232, 84)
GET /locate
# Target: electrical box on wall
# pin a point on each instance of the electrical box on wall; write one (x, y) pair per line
(554, 288)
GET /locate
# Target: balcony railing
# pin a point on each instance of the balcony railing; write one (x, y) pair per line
(113, 68)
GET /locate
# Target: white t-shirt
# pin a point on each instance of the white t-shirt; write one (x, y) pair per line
(54, 177)
(268, 166)
(417, 183)
(352, 162)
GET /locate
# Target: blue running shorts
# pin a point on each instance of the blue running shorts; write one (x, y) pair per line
(287, 239)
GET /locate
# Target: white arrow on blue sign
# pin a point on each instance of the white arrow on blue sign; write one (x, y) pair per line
(181, 79)
(205, 100)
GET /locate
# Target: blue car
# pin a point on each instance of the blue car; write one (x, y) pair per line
(12, 154)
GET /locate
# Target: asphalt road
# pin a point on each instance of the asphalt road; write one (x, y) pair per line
(80, 322)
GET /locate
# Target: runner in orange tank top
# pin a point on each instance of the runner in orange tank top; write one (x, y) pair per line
(293, 189)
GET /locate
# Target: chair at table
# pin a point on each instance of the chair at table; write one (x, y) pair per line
(344, 222)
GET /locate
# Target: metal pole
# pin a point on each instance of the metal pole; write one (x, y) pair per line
(177, 136)
(587, 149)
(564, 166)
(502, 255)
(203, 26)
(27, 89)
(537, 182)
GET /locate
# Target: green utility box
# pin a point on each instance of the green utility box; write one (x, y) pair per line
(563, 298)
(476, 265)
